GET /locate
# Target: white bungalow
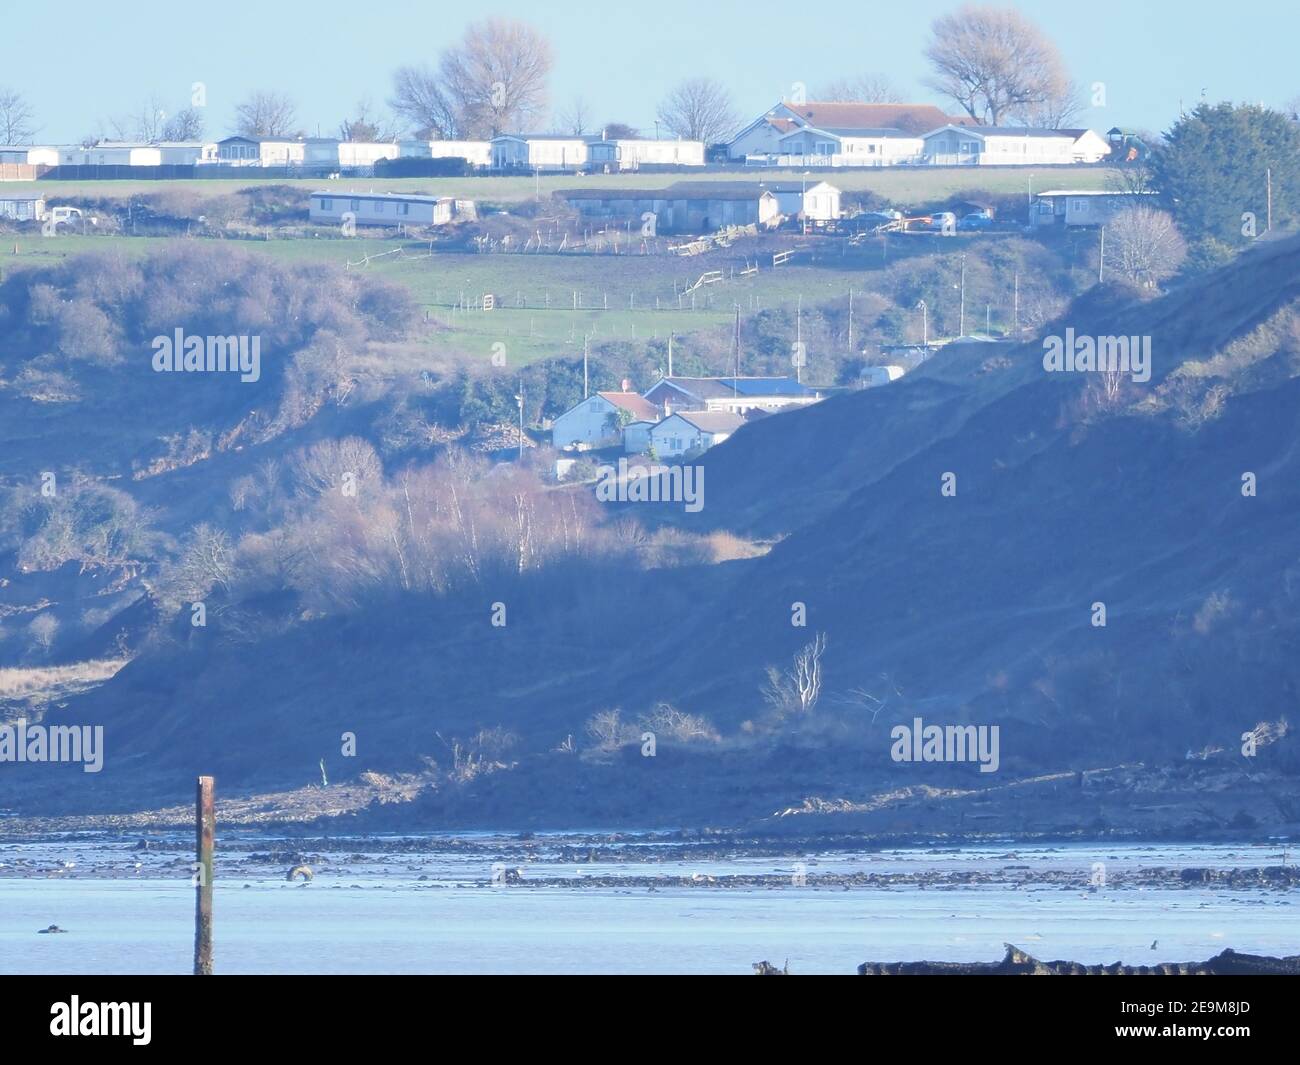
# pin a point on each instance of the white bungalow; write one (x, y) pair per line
(692, 432)
(735, 395)
(855, 134)
(538, 151)
(1081, 207)
(29, 155)
(599, 419)
(22, 206)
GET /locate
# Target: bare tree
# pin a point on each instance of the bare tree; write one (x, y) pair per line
(797, 690)
(863, 89)
(1057, 111)
(266, 114)
(494, 78)
(607, 729)
(145, 125)
(498, 75)
(1144, 245)
(420, 100)
(366, 125)
(575, 118)
(995, 63)
(185, 125)
(43, 629)
(699, 109)
(17, 120)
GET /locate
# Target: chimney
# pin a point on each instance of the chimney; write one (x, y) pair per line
(668, 408)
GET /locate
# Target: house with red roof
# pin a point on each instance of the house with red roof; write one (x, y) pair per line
(598, 420)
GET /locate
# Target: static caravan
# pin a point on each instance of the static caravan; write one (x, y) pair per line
(476, 153)
(381, 209)
(29, 155)
(22, 207)
(632, 154)
(538, 151)
(111, 153)
(815, 201)
(261, 151)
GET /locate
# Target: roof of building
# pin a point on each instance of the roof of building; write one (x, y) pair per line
(540, 137)
(396, 197)
(713, 190)
(855, 116)
(1012, 131)
(1049, 193)
(721, 387)
(632, 402)
(610, 194)
(797, 186)
(711, 421)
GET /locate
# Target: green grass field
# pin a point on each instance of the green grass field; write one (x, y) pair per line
(546, 304)
(903, 186)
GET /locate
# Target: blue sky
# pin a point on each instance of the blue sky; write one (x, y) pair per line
(80, 62)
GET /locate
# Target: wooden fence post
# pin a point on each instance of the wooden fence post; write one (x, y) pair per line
(205, 818)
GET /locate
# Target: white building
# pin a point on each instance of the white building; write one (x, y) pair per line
(692, 432)
(878, 376)
(735, 395)
(1081, 207)
(22, 206)
(599, 419)
(261, 151)
(816, 201)
(685, 207)
(476, 153)
(538, 151)
(838, 134)
(631, 154)
(382, 209)
(128, 153)
(29, 155)
(1012, 146)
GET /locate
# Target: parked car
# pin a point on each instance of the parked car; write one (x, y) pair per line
(976, 222)
(942, 222)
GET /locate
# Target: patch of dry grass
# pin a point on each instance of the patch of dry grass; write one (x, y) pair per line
(53, 681)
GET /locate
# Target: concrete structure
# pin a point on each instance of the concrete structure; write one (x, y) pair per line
(539, 151)
(613, 156)
(22, 206)
(476, 153)
(691, 432)
(954, 145)
(599, 419)
(878, 376)
(384, 209)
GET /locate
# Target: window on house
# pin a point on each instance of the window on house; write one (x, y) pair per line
(356, 206)
(403, 208)
(327, 205)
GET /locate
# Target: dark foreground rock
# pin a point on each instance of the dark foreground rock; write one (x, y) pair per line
(1018, 963)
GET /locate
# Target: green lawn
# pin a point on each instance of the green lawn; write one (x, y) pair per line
(904, 186)
(545, 304)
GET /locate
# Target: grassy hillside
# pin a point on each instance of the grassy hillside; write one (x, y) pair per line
(978, 607)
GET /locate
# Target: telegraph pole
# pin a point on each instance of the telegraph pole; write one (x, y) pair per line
(961, 328)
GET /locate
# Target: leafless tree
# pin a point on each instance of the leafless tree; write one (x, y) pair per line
(1144, 245)
(667, 721)
(864, 89)
(607, 729)
(366, 125)
(498, 75)
(494, 78)
(995, 64)
(699, 109)
(1057, 111)
(17, 120)
(420, 100)
(43, 629)
(145, 125)
(575, 118)
(184, 125)
(266, 114)
(797, 690)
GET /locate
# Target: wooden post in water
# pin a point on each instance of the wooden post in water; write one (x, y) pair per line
(205, 819)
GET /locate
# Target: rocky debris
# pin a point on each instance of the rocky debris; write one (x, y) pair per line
(1019, 963)
(766, 968)
(52, 930)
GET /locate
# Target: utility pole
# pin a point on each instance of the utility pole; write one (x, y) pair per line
(1268, 176)
(925, 325)
(850, 321)
(521, 419)
(205, 823)
(586, 348)
(735, 372)
(798, 341)
(1101, 257)
(1015, 303)
(961, 328)
(670, 354)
